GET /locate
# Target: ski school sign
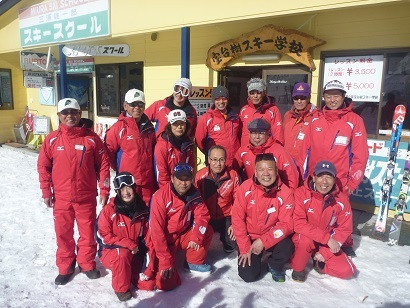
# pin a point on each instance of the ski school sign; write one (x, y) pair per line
(369, 191)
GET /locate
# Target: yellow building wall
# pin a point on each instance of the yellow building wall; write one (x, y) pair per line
(8, 118)
(368, 27)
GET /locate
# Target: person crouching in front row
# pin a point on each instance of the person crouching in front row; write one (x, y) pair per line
(322, 222)
(262, 220)
(121, 227)
(178, 220)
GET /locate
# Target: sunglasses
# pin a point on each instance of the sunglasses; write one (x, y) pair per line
(296, 98)
(179, 168)
(123, 180)
(184, 91)
(136, 104)
(69, 111)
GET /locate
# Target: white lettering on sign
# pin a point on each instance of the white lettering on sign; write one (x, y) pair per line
(119, 50)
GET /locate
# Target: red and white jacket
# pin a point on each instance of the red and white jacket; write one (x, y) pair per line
(295, 126)
(167, 155)
(172, 216)
(70, 162)
(218, 194)
(260, 214)
(338, 136)
(115, 230)
(131, 148)
(320, 217)
(214, 129)
(287, 170)
(267, 111)
(159, 110)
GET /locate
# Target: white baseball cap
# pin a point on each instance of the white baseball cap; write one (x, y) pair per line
(134, 95)
(67, 103)
(334, 85)
(176, 115)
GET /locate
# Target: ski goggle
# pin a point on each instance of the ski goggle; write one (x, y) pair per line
(123, 180)
(184, 91)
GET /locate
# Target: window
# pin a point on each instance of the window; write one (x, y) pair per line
(6, 93)
(376, 82)
(113, 81)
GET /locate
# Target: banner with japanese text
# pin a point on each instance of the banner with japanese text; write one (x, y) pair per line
(360, 75)
(295, 44)
(369, 191)
(59, 21)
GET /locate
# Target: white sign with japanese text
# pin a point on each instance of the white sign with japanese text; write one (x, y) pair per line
(360, 75)
(37, 79)
(119, 50)
(58, 21)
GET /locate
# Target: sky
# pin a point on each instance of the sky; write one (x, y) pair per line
(28, 270)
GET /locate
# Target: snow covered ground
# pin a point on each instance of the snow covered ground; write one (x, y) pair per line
(27, 266)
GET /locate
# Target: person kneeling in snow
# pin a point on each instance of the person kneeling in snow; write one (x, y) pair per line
(262, 220)
(121, 227)
(322, 222)
(178, 220)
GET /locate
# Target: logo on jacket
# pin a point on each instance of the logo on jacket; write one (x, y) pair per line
(310, 210)
(130, 137)
(247, 162)
(252, 202)
(172, 210)
(217, 128)
(288, 206)
(202, 229)
(286, 165)
(358, 134)
(60, 148)
(318, 129)
(277, 233)
(172, 156)
(121, 224)
(347, 213)
(245, 116)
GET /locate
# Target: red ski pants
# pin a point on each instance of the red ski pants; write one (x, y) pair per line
(337, 265)
(192, 256)
(125, 267)
(65, 213)
(146, 192)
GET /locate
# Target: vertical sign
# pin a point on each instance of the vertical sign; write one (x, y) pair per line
(61, 21)
(360, 75)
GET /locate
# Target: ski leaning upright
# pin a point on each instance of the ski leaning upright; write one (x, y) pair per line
(398, 119)
(400, 205)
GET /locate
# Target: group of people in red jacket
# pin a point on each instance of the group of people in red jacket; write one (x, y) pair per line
(274, 186)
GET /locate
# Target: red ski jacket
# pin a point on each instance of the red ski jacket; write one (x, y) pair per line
(218, 194)
(172, 216)
(214, 129)
(131, 148)
(288, 172)
(159, 110)
(295, 126)
(70, 162)
(338, 136)
(167, 155)
(259, 214)
(267, 111)
(115, 230)
(321, 217)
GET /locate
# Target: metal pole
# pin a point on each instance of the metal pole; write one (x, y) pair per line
(63, 73)
(185, 51)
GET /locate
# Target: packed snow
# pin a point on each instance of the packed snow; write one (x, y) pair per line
(27, 265)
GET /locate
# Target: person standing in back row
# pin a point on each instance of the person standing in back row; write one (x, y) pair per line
(296, 121)
(260, 106)
(130, 143)
(71, 161)
(220, 125)
(159, 110)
